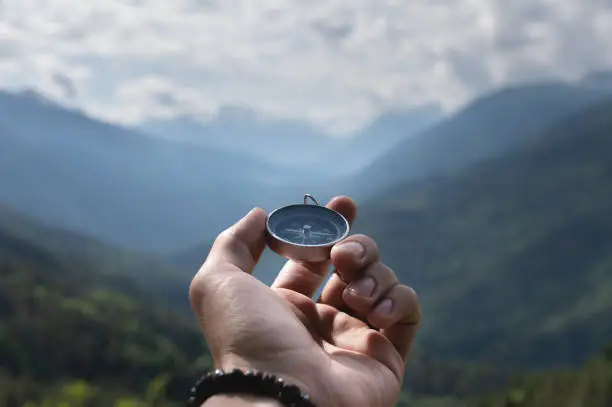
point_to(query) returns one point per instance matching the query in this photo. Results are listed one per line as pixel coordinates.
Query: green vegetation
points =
(590, 386)
(68, 328)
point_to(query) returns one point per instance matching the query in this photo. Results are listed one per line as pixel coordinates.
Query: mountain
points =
(296, 144)
(512, 257)
(290, 143)
(487, 127)
(120, 342)
(370, 143)
(68, 323)
(598, 79)
(150, 193)
(168, 281)
(113, 183)
(491, 126)
(137, 191)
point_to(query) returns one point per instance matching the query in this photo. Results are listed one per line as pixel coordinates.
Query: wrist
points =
(308, 381)
(231, 400)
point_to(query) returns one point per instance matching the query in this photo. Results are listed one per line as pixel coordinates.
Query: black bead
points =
(249, 382)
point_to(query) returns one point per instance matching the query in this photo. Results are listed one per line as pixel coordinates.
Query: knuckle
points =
(199, 286)
(197, 292)
(225, 238)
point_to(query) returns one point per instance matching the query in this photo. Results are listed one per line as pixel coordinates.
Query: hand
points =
(347, 349)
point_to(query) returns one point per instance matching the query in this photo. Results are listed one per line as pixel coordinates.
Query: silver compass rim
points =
(347, 227)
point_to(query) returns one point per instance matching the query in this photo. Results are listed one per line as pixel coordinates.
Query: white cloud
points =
(337, 62)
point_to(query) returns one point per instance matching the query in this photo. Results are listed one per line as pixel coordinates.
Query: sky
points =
(336, 63)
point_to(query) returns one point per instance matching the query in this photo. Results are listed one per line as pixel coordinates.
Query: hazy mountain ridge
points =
(148, 193)
(489, 126)
(142, 192)
(297, 144)
(65, 168)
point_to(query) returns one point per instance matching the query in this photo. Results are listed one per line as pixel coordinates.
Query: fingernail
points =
(246, 216)
(385, 307)
(354, 247)
(363, 288)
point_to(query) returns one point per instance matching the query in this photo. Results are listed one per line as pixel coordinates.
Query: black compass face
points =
(308, 225)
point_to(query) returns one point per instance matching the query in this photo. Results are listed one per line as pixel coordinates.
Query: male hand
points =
(347, 349)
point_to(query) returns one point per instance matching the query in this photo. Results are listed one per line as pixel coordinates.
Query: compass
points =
(305, 232)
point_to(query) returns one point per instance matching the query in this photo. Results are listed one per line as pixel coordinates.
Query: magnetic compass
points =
(305, 232)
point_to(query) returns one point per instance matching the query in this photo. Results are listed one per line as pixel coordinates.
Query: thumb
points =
(213, 292)
(240, 246)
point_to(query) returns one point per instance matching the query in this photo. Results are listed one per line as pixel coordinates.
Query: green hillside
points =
(513, 257)
(67, 325)
(590, 386)
(151, 271)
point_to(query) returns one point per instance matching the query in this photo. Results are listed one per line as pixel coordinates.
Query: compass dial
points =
(307, 225)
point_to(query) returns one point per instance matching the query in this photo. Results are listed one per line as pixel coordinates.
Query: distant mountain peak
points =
(598, 79)
(36, 95)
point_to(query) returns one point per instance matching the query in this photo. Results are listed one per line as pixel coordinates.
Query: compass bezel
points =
(305, 252)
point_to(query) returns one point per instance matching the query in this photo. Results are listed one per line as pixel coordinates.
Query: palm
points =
(329, 348)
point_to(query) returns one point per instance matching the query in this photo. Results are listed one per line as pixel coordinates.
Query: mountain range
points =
(62, 167)
(138, 191)
(500, 216)
(154, 193)
(297, 144)
(489, 126)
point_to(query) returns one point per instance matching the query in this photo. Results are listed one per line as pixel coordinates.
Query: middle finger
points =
(350, 259)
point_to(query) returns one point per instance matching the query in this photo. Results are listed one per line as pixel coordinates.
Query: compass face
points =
(308, 225)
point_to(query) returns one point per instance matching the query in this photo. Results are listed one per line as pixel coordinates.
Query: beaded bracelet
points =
(248, 382)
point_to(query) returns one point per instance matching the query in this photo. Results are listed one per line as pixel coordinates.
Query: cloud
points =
(335, 62)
